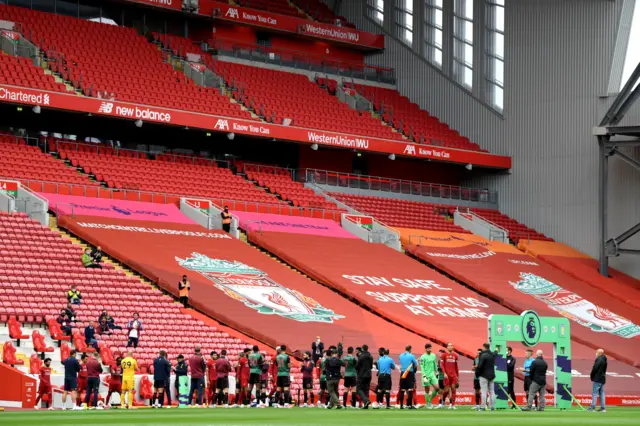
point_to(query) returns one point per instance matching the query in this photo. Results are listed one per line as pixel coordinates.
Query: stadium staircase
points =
(44, 262)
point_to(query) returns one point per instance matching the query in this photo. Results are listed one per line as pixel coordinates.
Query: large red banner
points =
(291, 24)
(392, 284)
(522, 282)
(240, 286)
(28, 96)
(586, 269)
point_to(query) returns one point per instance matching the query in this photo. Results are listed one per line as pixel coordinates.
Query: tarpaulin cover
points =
(65, 205)
(390, 283)
(295, 224)
(239, 285)
(521, 282)
(385, 280)
(584, 268)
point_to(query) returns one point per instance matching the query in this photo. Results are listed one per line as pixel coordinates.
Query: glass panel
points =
(68, 8)
(463, 74)
(43, 5)
(463, 29)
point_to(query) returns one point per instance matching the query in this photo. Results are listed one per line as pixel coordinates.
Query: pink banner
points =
(290, 224)
(64, 205)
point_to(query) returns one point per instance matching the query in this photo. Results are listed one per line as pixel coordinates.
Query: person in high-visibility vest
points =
(226, 219)
(184, 286)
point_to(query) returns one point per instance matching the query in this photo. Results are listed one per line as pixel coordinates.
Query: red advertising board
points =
(364, 221)
(291, 24)
(203, 205)
(154, 114)
(10, 187)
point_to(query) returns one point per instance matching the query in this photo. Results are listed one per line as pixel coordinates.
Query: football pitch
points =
(298, 416)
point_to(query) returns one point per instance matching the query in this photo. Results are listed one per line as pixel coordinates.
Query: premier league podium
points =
(531, 329)
(183, 392)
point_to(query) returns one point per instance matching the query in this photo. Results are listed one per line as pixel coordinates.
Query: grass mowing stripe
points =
(311, 417)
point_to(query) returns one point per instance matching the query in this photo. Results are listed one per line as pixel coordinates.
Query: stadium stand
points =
(133, 170)
(401, 213)
(407, 117)
(584, 268)
(24, 162)
(519, 282)
(278, 95)
(279, 181)
(19, 71)
(517, 231)
(37, 266)
(105, 59)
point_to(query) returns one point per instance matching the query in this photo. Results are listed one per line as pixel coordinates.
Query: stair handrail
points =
(475, 216)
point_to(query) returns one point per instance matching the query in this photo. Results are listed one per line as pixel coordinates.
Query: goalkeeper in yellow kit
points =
(129, 366)
(428, 368)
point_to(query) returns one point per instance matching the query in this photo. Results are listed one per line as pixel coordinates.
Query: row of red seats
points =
(415, 123)
(22, 72)
(281, 95)
(401, 213)
(162, 318)
(116, 60)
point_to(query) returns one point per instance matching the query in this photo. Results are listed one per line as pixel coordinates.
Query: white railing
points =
(398, 186)
(380, 233)
(470, 221)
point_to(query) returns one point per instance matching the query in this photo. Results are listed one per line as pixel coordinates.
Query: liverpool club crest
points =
(257, 290)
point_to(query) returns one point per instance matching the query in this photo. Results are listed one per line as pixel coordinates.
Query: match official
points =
(408, 368)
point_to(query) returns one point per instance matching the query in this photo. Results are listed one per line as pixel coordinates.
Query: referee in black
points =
(511, 365)
(364, 365)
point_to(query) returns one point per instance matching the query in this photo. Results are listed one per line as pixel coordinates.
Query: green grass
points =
(298, 416)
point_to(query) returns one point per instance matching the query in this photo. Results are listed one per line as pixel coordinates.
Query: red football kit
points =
(212, 377)
(45, 386)
(115, 384)
(449, 364)
(242, 372)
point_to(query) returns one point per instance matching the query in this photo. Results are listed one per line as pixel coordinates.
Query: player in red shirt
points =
(82, 380)
(115, 380)
(242, 379)
(45, 385)
(449, 366)
(212, 377)
(273, 371)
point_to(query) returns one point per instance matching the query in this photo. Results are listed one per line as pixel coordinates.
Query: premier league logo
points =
(500, 328)
(531, 329)
(256, 290)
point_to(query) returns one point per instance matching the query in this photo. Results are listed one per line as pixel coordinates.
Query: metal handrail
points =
(399, 186)
(475, 215)
(248, 228)
(138, 152)
(65, 204)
